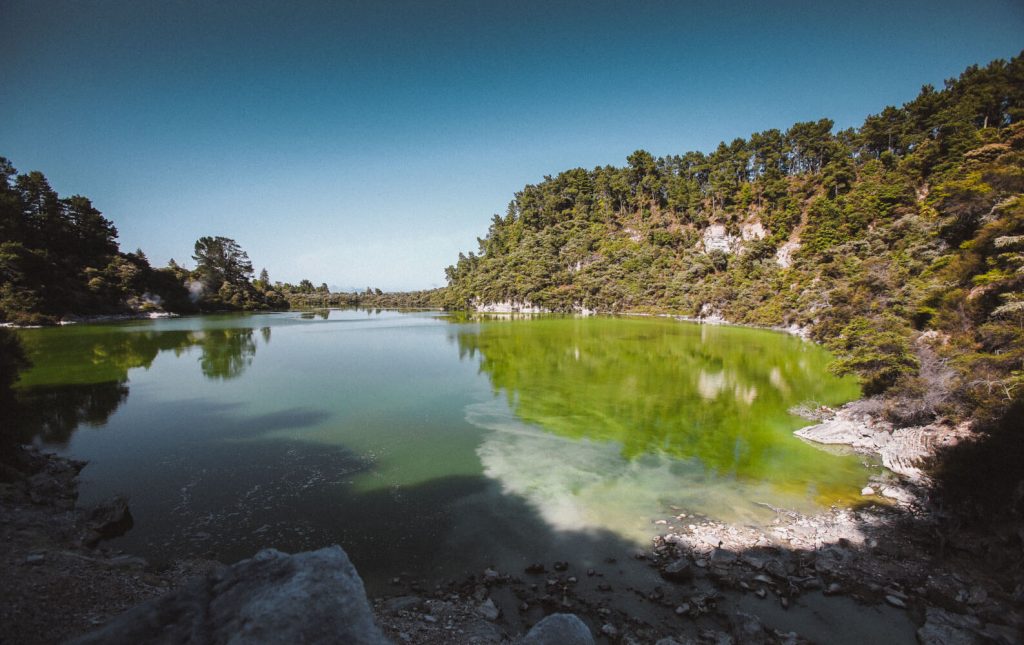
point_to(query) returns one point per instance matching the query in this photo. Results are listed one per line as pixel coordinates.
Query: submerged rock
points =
(313, 597)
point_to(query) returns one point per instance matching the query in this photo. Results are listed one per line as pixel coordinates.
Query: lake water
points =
(427, 444)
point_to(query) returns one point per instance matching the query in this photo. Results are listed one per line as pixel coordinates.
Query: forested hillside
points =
(867, 237)
(60, 257)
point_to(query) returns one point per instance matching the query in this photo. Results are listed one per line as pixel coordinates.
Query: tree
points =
(219, 260)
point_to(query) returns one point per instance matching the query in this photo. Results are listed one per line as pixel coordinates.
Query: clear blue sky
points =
(367, 143)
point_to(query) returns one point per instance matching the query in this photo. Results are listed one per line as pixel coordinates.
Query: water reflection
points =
(53, 413)
(80, 376)
(640, 410)
(227, 352)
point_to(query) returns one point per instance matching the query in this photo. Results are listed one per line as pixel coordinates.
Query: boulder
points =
(678, 571)
(747, 628)
(312, 597)
(946, 628)
(108, 520)
(559, 629)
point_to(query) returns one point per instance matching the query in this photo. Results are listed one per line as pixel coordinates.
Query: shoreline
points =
(894, 551)
(707, 580)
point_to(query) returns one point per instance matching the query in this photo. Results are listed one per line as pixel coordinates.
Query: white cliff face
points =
(753, 230)
(508, 307)
(716, 238)
(784, 256)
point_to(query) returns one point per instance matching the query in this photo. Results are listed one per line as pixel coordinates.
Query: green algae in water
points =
(418, 438)
(670, 414)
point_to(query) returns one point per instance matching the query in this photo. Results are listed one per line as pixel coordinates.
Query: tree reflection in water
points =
(80, 376)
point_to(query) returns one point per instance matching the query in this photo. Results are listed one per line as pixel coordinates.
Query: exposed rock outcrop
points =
(717, 238)
(901, 449)
(508, 307)
(313, 597)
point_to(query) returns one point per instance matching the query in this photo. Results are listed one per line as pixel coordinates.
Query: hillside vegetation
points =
(900, 244)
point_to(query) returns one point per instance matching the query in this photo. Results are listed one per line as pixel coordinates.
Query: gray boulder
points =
(559, 629)
(313, 597)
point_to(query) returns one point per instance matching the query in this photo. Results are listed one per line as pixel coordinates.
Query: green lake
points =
(430, 444)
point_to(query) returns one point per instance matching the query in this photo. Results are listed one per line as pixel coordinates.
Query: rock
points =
(722, 556)
(833, 589)
(897, 494)
(678, 571)
(714, 637)
(946, 628)
(312, 597)
(559, 629)
(895, 601)
(748, 629)
(683, 609)
(488, 610)
(561, 566)
(535, 568)
(609, 630)
(490, 575)
(35, 558)
(108, 520)
(866, 491)
(977, 596)
(400, 603)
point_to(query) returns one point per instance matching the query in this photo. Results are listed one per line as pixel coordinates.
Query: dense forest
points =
(900, 244)
(59, 258)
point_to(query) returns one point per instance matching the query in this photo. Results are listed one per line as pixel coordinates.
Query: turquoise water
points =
(430, 444)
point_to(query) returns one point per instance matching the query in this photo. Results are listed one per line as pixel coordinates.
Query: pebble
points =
(867, 490)
(761, 593)
(35, 558)
(895, 602)
(683, 609)
(609, 630)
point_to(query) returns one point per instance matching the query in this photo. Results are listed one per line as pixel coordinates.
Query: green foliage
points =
(876, 350)
(909, 224)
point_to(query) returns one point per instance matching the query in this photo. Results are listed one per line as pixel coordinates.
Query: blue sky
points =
(367, 143)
